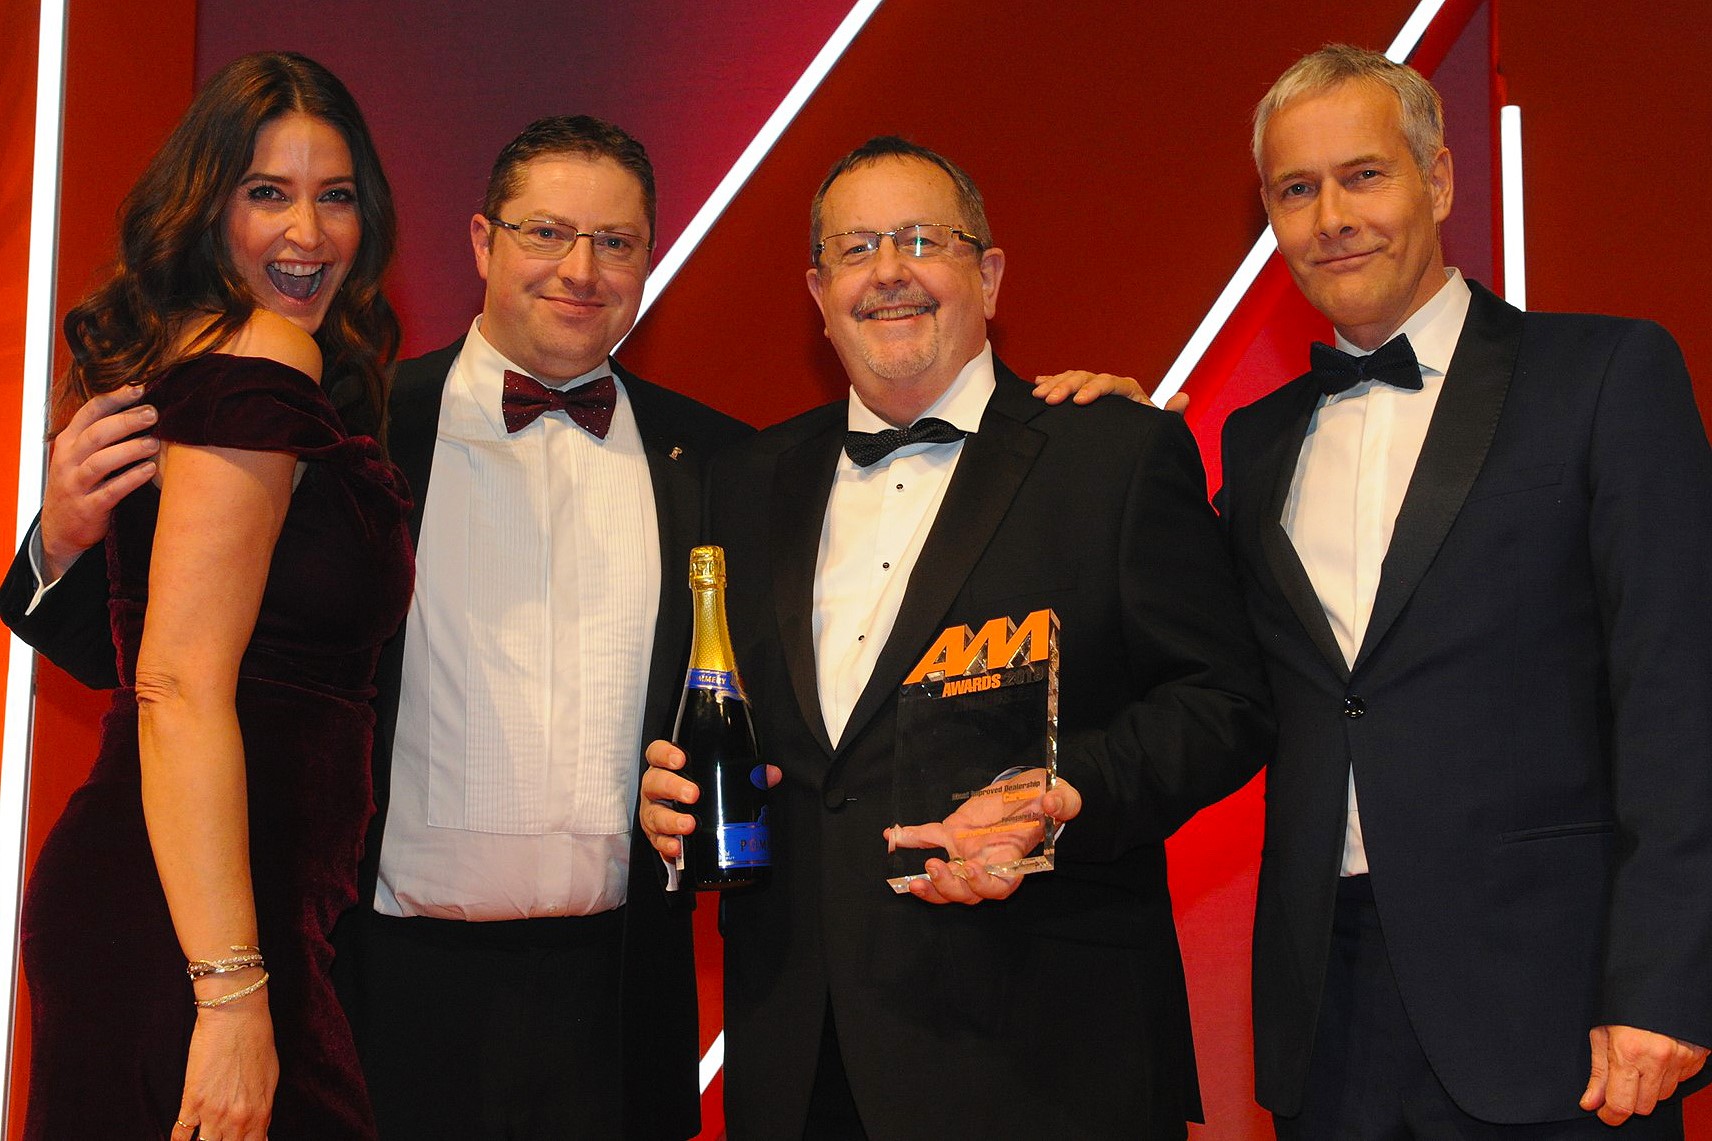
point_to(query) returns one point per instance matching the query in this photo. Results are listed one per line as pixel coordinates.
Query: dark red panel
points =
(1463, 76)
(1615, 112)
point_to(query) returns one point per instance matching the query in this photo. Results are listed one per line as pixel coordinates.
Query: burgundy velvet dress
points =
(111, 1009)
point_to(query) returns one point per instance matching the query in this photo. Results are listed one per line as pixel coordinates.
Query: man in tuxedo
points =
(1475, 545)
(508, 944)
(1051, 1005)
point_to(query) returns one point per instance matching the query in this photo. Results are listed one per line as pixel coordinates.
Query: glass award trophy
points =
(977, 750)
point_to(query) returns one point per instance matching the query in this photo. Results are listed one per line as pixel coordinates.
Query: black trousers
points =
(505, 1031)
(1369, 1080)
(832, 1113)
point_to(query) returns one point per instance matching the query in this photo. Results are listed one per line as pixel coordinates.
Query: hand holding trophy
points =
(992, 840)
(973, 706)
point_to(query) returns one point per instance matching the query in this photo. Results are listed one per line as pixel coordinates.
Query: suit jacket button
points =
(1354, 707)
(833, 798)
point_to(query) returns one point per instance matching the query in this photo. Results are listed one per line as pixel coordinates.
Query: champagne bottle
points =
(729, 847)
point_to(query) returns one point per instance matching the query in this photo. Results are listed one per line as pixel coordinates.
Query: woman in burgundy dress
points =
(176, 925)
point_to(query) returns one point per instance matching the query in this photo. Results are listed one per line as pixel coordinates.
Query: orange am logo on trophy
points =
(1000, 644)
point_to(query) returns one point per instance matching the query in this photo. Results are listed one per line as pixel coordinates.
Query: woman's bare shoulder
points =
(267, 334)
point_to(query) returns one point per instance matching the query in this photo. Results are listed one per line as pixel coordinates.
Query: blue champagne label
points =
(722, 682)
(744, 846)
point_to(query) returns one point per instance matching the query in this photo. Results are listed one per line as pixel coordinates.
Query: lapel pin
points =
(676, 452)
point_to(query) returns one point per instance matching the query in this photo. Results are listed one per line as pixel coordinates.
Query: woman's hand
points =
(231, 1074)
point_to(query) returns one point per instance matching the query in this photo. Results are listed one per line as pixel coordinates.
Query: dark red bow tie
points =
(590, 405)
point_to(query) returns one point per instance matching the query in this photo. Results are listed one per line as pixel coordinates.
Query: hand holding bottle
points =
(663, 790)
(730, 844)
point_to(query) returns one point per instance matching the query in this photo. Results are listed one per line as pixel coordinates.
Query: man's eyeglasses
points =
(926, 240)
(551, 241)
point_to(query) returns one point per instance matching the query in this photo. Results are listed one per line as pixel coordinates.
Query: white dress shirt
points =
(1351, 476)
(877, 519)
(515, 761)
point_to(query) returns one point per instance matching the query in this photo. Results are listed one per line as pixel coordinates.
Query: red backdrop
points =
(1110, 139)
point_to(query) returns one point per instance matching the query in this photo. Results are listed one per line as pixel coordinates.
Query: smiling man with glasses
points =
(489, 975)
(939, 494)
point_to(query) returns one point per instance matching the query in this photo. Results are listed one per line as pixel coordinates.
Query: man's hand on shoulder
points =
(1082, 387)
(98, 459)
(1634, 1069)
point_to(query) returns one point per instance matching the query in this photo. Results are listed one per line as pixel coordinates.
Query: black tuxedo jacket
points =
(1060, 1012)
(659, 1032)
(1529, 716)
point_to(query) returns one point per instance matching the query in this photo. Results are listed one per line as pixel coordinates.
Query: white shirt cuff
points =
(36, 560)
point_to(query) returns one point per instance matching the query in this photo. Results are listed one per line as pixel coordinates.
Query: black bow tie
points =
(1393, 363)
(866, 449)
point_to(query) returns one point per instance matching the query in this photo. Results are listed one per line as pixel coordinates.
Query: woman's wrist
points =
(227, 979)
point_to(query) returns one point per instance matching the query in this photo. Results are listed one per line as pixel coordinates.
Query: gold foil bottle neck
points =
(707, 567)
(710, 644)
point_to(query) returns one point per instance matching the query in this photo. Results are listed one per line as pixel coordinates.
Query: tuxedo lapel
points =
(802, 484)
(413, 422)
(994, 463)
(1452, 454)
(674, 476)
(1275, 471)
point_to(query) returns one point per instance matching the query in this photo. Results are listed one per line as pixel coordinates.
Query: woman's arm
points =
(221, 511)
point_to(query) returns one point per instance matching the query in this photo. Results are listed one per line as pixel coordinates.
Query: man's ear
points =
(814, 286)
(1442, 184)
(992, 273)
(481, 241)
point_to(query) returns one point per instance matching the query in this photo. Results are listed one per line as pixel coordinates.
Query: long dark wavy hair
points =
(173, 271)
